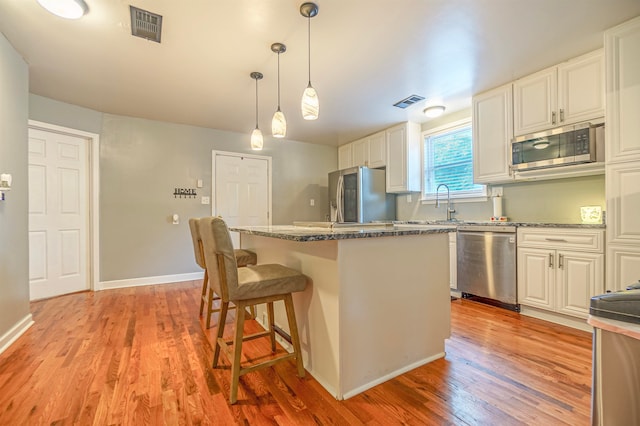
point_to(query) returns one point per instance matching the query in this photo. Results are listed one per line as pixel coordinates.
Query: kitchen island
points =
(378, 303)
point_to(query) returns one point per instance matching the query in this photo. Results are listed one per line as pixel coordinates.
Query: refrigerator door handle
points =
(340, 199)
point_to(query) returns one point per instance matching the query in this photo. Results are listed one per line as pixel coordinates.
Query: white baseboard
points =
(390, 376)
(568, 321)
(163, 279)
(15, 332)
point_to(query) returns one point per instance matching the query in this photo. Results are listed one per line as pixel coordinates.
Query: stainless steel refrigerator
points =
(358, 194)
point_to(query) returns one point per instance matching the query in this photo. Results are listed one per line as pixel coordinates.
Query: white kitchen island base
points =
(375, 308)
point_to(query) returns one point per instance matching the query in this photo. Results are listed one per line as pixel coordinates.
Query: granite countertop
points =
(521, 224)
(309, 233)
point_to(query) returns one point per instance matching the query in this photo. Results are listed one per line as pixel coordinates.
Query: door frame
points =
(215, 153)
(93, 165)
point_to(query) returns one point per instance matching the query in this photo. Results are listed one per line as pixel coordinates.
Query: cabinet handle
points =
(561, 115)
(560, 240)
(550, 260)
(560, 260)
(553, 117)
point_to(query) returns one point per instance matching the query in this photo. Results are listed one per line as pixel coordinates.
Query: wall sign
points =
(184, 193)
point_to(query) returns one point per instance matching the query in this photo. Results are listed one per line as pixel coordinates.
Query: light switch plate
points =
(199, 183)
(205, 200)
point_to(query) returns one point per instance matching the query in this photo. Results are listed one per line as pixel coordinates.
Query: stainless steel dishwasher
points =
(487, 264)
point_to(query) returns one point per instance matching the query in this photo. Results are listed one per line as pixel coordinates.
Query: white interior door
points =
(58, 214)
(241, 190)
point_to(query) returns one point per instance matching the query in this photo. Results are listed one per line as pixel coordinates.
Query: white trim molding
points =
(162, 279)
(16, 331)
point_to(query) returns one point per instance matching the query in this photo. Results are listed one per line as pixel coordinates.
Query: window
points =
(448, 159)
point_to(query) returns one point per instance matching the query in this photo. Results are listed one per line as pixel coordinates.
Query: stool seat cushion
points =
(245, 257)
(267, 280)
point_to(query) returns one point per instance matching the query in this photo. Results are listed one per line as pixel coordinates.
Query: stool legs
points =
(272, 332)
(237, 352)
(205, 285)
(224, 307)
(293, 329)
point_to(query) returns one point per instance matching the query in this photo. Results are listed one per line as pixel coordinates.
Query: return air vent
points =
(408, 101)
(145, 24)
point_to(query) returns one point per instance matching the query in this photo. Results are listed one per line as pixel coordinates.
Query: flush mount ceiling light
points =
(434, 111)
(256, 135)
(279, 122)
(69, 9)
(310, 104)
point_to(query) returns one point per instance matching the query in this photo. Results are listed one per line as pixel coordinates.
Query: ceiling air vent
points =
(408, 101)
(145, 24)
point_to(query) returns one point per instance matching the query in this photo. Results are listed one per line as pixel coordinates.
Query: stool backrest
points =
(219, 256)
(197, 242)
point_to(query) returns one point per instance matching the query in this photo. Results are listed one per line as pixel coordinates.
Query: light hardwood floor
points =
(141, 356)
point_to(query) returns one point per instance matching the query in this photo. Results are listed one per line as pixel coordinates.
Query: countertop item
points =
(342, 232)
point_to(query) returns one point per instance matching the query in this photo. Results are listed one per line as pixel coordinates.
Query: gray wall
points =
(555, 201)
(142, 161)
(14, 251)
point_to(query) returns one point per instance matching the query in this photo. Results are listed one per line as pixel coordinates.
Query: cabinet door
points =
(453, 261)
(536, 277)
(535, 102)
(344, 157)
(377, 150)
(403, 158)
(581, 89)
(579, 277)
(360, 152)
(623, 266)
(492, 134)
(622, 56)
(623, 203)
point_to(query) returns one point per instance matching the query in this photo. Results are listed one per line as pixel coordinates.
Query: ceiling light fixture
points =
(279, 122)
(434, 111)
(69, 9)
(256, 136)
(310, 104)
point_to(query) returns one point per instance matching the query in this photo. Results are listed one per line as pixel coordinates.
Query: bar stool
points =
(243, 258)
(247, 286)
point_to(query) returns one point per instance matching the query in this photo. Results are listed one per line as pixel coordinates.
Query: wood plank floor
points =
(140, 356)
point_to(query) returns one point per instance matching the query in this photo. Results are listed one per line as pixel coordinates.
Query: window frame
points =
(460, 196)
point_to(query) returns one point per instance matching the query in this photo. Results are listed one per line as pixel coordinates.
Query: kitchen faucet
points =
(449, 209)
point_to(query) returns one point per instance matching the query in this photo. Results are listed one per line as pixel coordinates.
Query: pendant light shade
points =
(69, 9)
(310, 104)
(256, 136)
(279, 122)
(256, 139)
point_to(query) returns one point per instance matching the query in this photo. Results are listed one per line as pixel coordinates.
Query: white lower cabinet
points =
(453, 261)
(560, 269)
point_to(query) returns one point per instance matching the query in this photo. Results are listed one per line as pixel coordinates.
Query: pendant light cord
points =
(278, 81)
(309, 45)
(256, 103)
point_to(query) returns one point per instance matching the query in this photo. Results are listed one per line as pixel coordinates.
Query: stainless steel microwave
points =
(580, 143)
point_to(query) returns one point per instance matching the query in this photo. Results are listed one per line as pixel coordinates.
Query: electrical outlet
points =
(496, 191)
(408, 198)
(205, 200)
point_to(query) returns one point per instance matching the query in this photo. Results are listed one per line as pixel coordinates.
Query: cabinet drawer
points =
(562, 238)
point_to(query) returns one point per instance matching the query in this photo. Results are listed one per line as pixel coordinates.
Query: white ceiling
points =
(365, 56)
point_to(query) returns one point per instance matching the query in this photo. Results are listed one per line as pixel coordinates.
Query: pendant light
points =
(256, 135)
(310, 104)
(69, 9)
(279, 122)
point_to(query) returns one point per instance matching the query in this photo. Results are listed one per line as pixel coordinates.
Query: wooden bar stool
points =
(247, 286)
(243, 258)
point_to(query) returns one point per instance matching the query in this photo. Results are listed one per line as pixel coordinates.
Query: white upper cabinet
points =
(360, 152)
(492, 134)
(622, 46)
(377, 150)
(345, 156)
(565, 94)
(581, 88)
(403, 158)
(369, 152)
